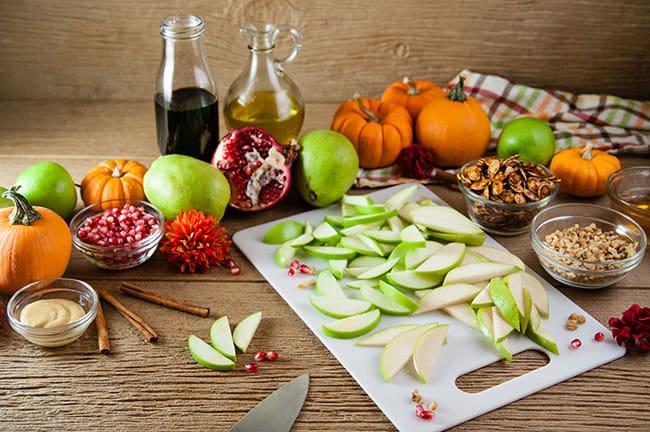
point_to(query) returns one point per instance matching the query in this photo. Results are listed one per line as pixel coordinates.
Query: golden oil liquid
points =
(640, 203)
(277, 113)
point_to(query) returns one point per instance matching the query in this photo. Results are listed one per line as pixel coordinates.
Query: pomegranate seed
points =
(230, 263)
(295, 264)
(426, 415)
(291, 271)
(271, 356)
(261, 355)
(251, 367)
(419, 408)
(305, 269)
(575, 344)
(235, 270)
(599, 337)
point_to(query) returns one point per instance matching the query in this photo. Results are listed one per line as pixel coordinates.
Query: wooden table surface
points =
(159, 387)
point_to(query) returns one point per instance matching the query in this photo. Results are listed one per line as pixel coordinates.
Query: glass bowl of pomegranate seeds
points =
(117, 236)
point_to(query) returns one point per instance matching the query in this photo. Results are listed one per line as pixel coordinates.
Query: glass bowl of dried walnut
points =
(587, 245)
(504, 195)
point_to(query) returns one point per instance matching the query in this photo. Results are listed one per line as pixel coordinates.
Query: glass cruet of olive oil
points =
(263, 95)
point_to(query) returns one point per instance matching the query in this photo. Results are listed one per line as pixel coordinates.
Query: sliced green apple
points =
(337, 267)
(384, 236)
(468, 239)
(415, 257)
(445, 296)
(395, 224)
(463, 313)
(426, 351)
(285, 254)
(539, 334)
(409, 279)
(471, 258)
(356, 271)
(477, 272)
(521, 296)
(361, 228)
(282, 232)
(504, 302)
(335, 220)
(401, 197)
(380, 270)
(498, 255)
(338, 307)
(207, 356)
(357, 284)
(382, 337)
(375, 217)
(330, 252)
(382, 302)
(325, 233)
(500, 327)
(537, 292)
(483, 298)
(399, 351)
(243, 333)
(358, 200)
(221, 338)
(354, 326)
(486, 326)
(358, 245)
(412, 236)
(328, 286)
(446, 258)
(400, 251)
(366, 261)
(302, 240)
(444, 219)
(422, 292)
(397, 296)
(369, 209)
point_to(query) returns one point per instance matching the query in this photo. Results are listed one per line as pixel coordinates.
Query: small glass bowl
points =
(507, 219)
(54, 288)
(117, 257)
(581, 273)
(629, 193)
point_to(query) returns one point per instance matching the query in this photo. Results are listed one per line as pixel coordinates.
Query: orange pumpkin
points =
(378, 131)
(455, 129)
(36, 243)
(583, 170)
(412, 94)
(113, 180)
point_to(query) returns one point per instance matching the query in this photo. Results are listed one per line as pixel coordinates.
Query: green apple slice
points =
(366, 261)
(463, 313)
(445, 296)
(426, 351)
(422, 292)
(369, 209)
(401, 197)
(338, 307)
(498, 255)
(537, 292)
(337, 267)
(382, 302)
(358, 245)
(328, 286)
(245, 330)
(355, 230)
(468, 239)
(483, 298)
(471, 258)
(358, 200)
(395, 224)
(500, 327)
(444, 219)
(330, 252)
(539, 334)
(382, 337)
(397, 296)
(284, 254)
(379, 270)
(207, 356)
(477, 272)
(357, 284)
(521, 296)
(302, 240)
(409, 279)
(335, 220)
(399, 350)
(282, 232)
(384, 236)
(446, 258)
(412, 236)
(486, 326)
(405, 211)
(309, 228)
(375, 217)
(325, 233)
(356, 271)
(415, 257)
(400, 251)
(221, 338)
(504, 302)
(354, 326)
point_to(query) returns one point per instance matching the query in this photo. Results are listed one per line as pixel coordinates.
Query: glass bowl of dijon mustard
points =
(53, 312)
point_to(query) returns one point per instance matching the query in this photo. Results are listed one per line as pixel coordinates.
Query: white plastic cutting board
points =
(467, 349)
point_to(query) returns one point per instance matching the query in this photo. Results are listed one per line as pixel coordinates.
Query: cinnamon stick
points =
(172, 303)
(137, 322)
(102, 330)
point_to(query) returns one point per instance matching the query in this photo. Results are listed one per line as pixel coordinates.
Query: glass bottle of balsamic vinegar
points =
(186, 103)
(263, 95)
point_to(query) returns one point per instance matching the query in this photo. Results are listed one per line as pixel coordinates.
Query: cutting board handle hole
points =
(501, 371)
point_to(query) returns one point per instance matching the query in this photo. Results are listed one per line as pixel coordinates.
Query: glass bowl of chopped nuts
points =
(504, 195)
(587, 245)
(116, 235)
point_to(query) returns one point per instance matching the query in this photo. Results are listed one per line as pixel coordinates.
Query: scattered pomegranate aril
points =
(291, 271)
(261, 355)
(423, 413)
(599, 337)
(235, 270)
(230, 263)
(418, 409)
(251, 367)
(575, 344)
(307, 269)
(295, 264)
(271, 356)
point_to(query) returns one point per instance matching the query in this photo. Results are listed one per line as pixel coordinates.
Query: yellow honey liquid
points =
(277, 113)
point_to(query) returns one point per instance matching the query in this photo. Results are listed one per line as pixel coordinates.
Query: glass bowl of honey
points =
(629, 192)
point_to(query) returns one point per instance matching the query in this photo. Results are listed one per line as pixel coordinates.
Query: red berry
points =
(599, 337)
(251, 367)
(261, 355)
(575, 344)
(271, 356)
(291, 271)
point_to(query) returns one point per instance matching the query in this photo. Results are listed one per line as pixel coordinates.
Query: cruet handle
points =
(297, 44)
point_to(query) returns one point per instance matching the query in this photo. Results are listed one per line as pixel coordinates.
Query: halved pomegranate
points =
(257, 167)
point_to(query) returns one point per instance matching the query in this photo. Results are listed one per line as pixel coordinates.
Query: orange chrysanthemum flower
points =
(195, 241)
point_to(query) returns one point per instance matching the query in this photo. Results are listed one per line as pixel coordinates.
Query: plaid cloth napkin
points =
(611, 123)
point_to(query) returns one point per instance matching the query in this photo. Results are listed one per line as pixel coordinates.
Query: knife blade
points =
(278, 411)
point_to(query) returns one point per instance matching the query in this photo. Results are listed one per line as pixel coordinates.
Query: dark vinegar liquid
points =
(189, 123)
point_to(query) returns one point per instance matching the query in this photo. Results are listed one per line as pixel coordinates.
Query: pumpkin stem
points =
(370, 116)
(117, 172)
(413, 89)
(23, 213)
(457, 94)
(586, 153)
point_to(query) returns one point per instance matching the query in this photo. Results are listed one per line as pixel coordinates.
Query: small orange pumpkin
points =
(412, 94)
(455, 129)
(36, 243)
(113, 180)
(378, 131)
(583, 170)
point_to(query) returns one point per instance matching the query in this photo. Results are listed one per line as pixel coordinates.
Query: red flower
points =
(632, 330)
(415, 162)
(195, 241)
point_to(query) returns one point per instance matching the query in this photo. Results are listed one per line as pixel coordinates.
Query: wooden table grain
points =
(158, 386)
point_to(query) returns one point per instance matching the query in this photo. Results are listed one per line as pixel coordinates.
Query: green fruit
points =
(4, 202)
(326, 167)
(532, 138)
(283, 231)
(177, 182)
(48, 184)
